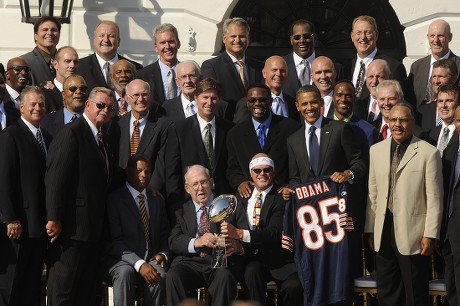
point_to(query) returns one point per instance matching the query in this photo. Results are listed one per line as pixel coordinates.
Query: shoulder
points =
(225, 124)
(420, 62)
(216, 59)
(136, 64)
(148, 69)
(86, 60)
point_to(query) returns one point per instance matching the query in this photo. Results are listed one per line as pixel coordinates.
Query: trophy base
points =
(219, 259)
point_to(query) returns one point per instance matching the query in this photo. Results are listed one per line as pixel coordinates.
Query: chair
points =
(437, 286)
(139, 294)
(367, 284)
(271, 287)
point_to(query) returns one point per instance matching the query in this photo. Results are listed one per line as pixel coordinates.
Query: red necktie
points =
(383, 132)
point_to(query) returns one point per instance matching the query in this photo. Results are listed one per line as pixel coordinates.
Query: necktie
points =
(261, 135)
(360, 79)
(144, 217)
(278, 107)
(371, 116)
(242, 74)
(203, 228)
(135, 138)
(383, 132)
(172, 89)
(314, 150)
(393, 169)
(444, 140)
(305, 73)
(438, 120)
(121, 107)
(190, 110)
(208, 146)
(101, 145)
(256, 212)
(107, 73)
(73, 117)
(41, 142)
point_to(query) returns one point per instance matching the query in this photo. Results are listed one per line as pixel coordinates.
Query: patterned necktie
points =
(242, 74)
(261, 135)
(172, 87)
(314, 150)
(305, 73)
(41, 142)
(360, 80)
(135, 138)
(203, 228)
(208, 146)
(190, 110)
(121, 107)
(373, 111)
(393, 169)
(444, 140)
(107, 73)
(383, 132)
(144, 217)
(101, 145)
(256, 212)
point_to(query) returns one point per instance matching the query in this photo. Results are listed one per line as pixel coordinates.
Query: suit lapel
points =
(124, 139)
(147, 134)
(219, 143)
(97, 70)
(301, 146)
(273, 133)
(190, 218)
(196, 134)
(411, 151)
(31, 138)
(230, 66)
(266, 207)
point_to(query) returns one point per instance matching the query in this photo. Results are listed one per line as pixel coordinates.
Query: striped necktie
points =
(144, 217)
(256, 212)
(135, 138)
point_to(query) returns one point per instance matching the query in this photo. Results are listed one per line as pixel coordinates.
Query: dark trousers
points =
(21, 266)
(73, 273)
(401, 279)
(451, 252)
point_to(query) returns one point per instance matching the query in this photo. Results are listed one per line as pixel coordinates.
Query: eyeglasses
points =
(20, 68)
(203, 183)
(368, 34)
(264, 170)
(102, 105)
(188, 76)
(74, 88)
(261, 99)
(136, 96)
(304, 36)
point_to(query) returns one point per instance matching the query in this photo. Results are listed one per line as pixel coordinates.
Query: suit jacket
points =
(192, 151)
(398, 73)
(41, 72)
(152, 75)
(419, 72)
(417, 207)
(426, 116)
(223, 69)
(293, 83)
(242, 112)
(173, 110)
(77, 183)
(242, 144)
(53, 122)
(436, 132)
(361, 107)
(53, 99)
(338, 152)
(22, 170)
(89, 68)
(12, 113)
(127, 243)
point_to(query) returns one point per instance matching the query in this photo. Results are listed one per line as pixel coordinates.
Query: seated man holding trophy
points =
(198, 249)
(261, 237)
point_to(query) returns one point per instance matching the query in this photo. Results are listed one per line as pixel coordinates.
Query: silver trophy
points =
(220, 210)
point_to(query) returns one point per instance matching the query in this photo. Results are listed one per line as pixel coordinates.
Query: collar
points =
(166, 68)
(13, 93)
(432, 59)
(58, 85)
(134, 192)
(317, 124)
(347, 119)
(68, 115)
(234, 59)
(263, 192)
(267, 122)
(93, 128)
(298, 60)
(198, 207)
(368, 59)
(102, 61)
(279, 96)
(186, 102)
(203, 122)
(31, 127)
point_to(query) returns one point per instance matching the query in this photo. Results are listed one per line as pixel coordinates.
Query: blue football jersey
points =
(315, 226)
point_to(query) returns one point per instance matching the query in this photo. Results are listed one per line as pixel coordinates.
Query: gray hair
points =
(165, 27)
(237, 21)
(31, 89)
(395, 84)
(195, 64)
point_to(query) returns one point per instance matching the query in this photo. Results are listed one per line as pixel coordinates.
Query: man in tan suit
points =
(404, 211)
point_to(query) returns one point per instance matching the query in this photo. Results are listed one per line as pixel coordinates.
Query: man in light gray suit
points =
(138, 246)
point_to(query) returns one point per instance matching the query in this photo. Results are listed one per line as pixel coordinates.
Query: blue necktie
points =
(314, 150)
(278, 104)
(261, 135)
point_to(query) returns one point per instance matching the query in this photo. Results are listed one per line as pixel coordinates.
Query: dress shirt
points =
(198, 212)
(237, 67)
(283, 104)
(58, 85)
(367, 60)
(250, 210)
(327, 103)
(344, 119)
(68, 115)
(165, 70)
(94, 129)
(369, 109)
(203, 123)
(14, 95)
(317, 124)
(432, 60)
(299, 65)
(2, 116)
(102, 62)
(266, 123)
(142, 123)
(34, 130)
(451, 128)
(185, 103)
(388, 128)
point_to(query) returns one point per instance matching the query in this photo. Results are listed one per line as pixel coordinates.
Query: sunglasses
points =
(264, 170)
(304, 36)
(74, 88)
(261, 99)
(102, 105)
(20, 68)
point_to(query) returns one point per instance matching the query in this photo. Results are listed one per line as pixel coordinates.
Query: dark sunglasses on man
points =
(102, 105)
(304, 36)
(20, 68)
(264, 170)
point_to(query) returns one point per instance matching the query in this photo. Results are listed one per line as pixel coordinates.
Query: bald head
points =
(323, 74)
(377, 72)
(439, 37)
(275, 73)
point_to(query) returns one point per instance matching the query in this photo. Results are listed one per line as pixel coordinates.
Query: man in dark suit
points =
(439, 36)
(22, 202)
(265, 259)
(65, 64)
(303, 41)
(275, 76)
(47, 31)
(95, 68)
(232, 68)
(138, 246)
(77, 179)
(17, 75)
(364, 35)
(121, 74)
(160, 75)
(191, 241)
(265, 132)
(74, 96)
(449, 232)
(444, 72)
(367, 108)
(8, 113)
(447, 101)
